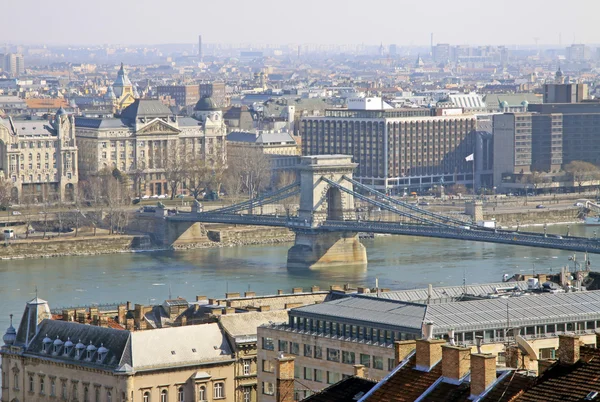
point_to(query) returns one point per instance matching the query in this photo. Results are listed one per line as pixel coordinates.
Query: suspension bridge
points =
(327, 223)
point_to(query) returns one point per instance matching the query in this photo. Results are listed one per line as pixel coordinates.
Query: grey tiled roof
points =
(242, 326)
(446, 293)
(99, 123)
(146, 108)
(113, 339)
(366, 310)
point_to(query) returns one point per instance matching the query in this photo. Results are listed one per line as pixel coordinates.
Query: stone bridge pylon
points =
(319, 201)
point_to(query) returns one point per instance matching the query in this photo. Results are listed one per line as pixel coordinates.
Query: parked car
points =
(135, 201)
(424, 203)
(145, 197)
(16, 212)
(578, 204)
(155, 196)
(540, 206)
(162, 196)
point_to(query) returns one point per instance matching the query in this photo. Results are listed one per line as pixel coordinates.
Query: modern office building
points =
(40, 158)
(441, 53)
(545, 139)
(395, 148)
(13, 64)
(183, 95)
(578, 52)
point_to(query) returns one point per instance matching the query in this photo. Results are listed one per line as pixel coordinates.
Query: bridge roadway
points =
(472, 233)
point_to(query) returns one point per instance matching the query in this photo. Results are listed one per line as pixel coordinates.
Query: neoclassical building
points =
(40, 158)
(50, 360)
(138, 141)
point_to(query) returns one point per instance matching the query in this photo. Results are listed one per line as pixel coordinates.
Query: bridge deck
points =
(471, 233)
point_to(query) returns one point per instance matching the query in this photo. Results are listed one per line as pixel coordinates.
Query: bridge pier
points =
(324, 250)
(319, 202)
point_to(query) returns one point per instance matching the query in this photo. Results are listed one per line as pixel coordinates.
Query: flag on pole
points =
(470, 158)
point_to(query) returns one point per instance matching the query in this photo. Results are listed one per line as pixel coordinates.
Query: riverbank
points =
(116, 244)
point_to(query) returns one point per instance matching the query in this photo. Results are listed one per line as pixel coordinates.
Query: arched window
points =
(180, 395)
(219, 390)
(146, 396)
(164, 396)
(16, 380)
(202, 393)
(108, 396)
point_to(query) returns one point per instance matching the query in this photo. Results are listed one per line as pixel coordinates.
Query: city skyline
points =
(468, 22)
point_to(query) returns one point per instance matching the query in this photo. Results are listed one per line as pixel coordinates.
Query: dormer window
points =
(57, 345)
(102, 352)
(46, 344)
(90, 351)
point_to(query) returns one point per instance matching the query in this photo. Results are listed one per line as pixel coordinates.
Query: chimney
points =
(543, 365)
(249, 294)
(200, 298)
(284, 369)
(296, 290)
(232, 295)
(429, 353)
(360, 371)
(597, 339)
(264, 308)
(213, 301)
(568, 348)
(279, 292)
(314, 289)
(229, 310)
(483, 373)
(514, 357)
(129, 306)
(455, 362)
(402, 349)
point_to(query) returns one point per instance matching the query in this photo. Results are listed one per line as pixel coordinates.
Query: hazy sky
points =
(306, 21)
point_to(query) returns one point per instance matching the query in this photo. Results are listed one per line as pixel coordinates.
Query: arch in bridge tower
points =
(335, 210)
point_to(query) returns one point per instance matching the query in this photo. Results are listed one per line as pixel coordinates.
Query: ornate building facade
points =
(49, 360)
(139, 141)
(40, 158)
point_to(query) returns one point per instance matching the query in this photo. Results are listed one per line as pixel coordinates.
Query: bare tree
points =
(254, 168)
(581, 172)
(174, 167)
(6, 187)
(196, 175)
(232, 182)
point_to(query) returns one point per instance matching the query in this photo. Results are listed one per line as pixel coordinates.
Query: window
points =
(109, 396)
(295, 348)
(547, 353)
(332, 377)
(164, 396)
(391, 364)
(42, 391)
(86, 394)
(268, 388)
(16, 381)
(202, 393)
(219, 390)
(348, 357)
(297, 371)
(246, 394)
(318, 375)
(365, 360)
(64, 390)
(246, 367)
(308, 373)
(283, 346)
(308, 352)
(31, 384)
(97, 394)
(318, 352)
(268, 343)
(180, 395)
(147, 397)
(267, 366)
(53, 387)
(333, 355)
(378, 362)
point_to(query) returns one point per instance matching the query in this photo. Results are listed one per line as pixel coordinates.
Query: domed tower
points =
(122, 86)
(206, 108)
(559, 78)
(504, 106)
(10, 337)
(525, 105)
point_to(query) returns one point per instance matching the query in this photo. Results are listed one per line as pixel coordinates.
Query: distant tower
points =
(431, 43)
(200, 48)
(559, 78)
(381, 49)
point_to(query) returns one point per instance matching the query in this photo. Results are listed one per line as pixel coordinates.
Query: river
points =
(398, 262)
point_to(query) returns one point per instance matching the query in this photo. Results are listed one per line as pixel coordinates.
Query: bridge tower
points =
(319, 201)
